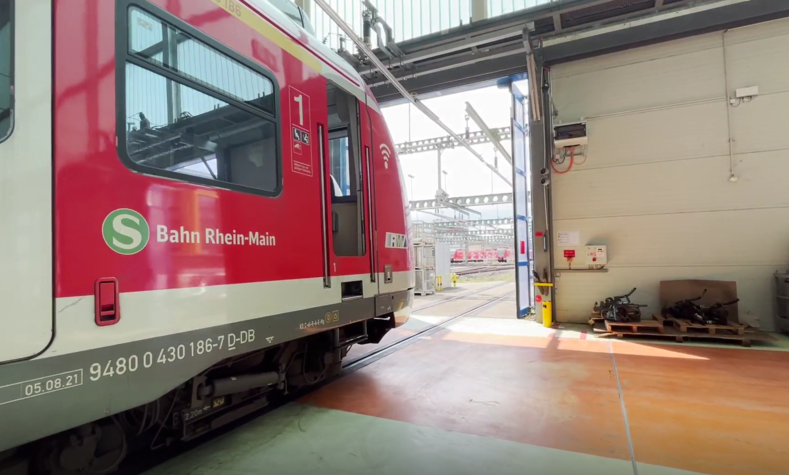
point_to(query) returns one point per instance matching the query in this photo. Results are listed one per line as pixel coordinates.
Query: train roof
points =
(302, 43)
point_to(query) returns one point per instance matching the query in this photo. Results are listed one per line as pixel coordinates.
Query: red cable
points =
(581, 163)
(572, 159)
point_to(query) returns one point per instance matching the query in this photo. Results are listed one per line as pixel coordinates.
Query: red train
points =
(162, 163)
(498, 255)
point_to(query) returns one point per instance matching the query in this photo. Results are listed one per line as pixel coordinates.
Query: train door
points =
(521, 189)
(25, 178)
(368, 148)
(347, 161)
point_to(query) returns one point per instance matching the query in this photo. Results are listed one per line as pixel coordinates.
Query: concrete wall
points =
(655, 187)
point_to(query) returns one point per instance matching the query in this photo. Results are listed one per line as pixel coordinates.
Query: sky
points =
(466, 175)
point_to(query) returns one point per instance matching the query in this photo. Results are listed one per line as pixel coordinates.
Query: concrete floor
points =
(495, 395)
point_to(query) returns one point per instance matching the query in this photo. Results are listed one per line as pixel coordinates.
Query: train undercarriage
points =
(222, 394)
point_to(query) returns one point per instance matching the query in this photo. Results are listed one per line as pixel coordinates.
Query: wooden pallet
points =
(635, 327)
(685, 326)
(595, 318)
(671, 333)
(600, 324)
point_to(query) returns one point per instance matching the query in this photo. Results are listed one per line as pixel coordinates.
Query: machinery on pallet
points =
(691, 310)
(619, 308)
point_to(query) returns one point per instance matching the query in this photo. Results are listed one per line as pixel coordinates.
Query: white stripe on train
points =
(152, 314)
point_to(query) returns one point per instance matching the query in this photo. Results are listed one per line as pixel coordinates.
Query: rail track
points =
(440, 301)
(379, 353)
(480, 270)
(140, 465)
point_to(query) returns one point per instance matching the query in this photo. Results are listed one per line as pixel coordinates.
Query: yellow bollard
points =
(547, 306)
(454, 280)
(439, 283)
(547, 316)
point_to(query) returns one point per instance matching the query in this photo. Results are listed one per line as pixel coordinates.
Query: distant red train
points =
(498, 255)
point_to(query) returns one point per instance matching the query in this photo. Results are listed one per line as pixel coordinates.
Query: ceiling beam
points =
(461, 76)
(443, 50)
(665, 25)
(452, 63)
(567, 29)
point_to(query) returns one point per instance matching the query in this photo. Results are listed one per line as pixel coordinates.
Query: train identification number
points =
(314, 323)
(40, 386)
(230, 6)
(329, 318)
(167, 355)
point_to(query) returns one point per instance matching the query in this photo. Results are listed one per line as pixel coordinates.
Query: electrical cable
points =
(142, 422)
(560, 172)
(585, 157)
(121, 456)
(304, 368)
(164, 421)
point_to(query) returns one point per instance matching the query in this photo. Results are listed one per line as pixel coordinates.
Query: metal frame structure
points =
(460, 231)
(560, 31)
(475, 200)
(428, 145)
(477, 222)
(433, 233)
(490, 232)
(489, 133)
(409, 96)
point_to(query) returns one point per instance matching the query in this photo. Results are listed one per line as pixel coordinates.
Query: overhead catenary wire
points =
(402, 90)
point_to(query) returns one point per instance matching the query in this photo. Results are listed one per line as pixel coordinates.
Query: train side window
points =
(6, 67)
(194, 113)
(161, 44)
(339, 159)
(346, 172)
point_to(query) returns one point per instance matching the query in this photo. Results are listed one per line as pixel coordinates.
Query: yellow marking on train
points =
(254, 21)
(332, 317)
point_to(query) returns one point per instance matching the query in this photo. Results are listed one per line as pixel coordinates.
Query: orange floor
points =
(710, 410)
(491, 394)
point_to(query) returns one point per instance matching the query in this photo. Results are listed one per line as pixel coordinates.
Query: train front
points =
(409, 276)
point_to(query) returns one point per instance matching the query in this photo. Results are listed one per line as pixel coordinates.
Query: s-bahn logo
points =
(126, 231)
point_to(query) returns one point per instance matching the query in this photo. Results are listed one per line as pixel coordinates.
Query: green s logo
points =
(126, 231)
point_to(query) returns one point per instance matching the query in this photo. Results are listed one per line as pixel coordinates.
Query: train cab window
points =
(197, 114)
(346, 173)
(6, 67)
(294, 12)
(307, 23)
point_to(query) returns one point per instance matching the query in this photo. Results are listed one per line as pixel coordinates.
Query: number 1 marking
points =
(300, 100)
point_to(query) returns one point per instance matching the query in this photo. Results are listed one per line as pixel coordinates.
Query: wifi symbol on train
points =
(387, 153)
